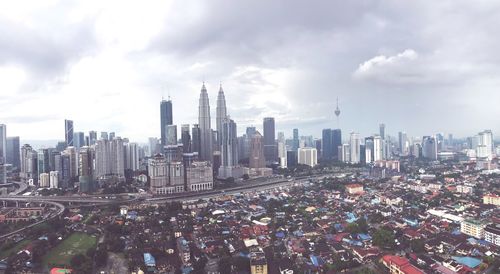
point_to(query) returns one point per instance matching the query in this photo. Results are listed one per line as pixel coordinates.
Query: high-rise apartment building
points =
(354, 146)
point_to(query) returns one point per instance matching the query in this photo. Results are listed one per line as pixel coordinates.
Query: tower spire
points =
(337, 112)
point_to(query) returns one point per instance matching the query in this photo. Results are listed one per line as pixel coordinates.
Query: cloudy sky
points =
(418, 66)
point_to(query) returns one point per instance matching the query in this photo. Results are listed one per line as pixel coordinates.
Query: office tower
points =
(317, 143)
(363, 154)
(308, 156)
(171, 131)
(229, 145)
(369, 150)
(257, 159)
(132, 156)
(65, 170)
(153, 146)
(54, 179)
(450, 139)
(382, 131)
(196, 138)
(71, 153)
(291, 158)
(102, 162)
(186, 138)
(378, 153)
(282, 150)
(354, 146)
(3, 143)
(104, 135)
(204, 125)
(116, 157)
(269, 139)
(28, 163)
(336, 143)
(68, 129)
(250, 131)
(440, 141)
(166, 119)
(92, 137)
(112, 135)
(3, 175)
(403, 144)
(221, 114)
(43, 161)
(13, 152)
(327, 144)
(78, 140)
(295, 143)
(429, 147)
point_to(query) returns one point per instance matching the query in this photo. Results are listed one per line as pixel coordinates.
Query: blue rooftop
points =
(468, 261)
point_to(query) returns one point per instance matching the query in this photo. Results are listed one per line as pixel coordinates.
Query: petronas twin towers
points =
(226, 137)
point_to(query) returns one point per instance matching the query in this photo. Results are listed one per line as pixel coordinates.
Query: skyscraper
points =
(336, 143)
(196, 139)
(327, 144)
(186, 138)
(78, 140)
(369, 149)
(28, 163)
(204, 124)
(3, 143)
(354, 146)
(229, 146)
(296, 141)
(270, 149)
(171, 135)
(282, 150)
(43, 161)
(68, 136)
(403, 143)
(429, 147)
(485, 148)
(166, 119)
(257, 159)
(13, 152)
(92, 137)
(220, 116)
(378, 145)
(382, 131)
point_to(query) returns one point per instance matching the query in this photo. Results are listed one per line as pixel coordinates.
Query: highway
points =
(60, 211)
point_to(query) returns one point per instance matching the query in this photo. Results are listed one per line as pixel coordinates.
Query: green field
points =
(75, 244)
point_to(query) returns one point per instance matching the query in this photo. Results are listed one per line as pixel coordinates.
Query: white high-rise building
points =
(345, 153)
(204, 125)
(282, 149)
(54, 179)
(229, 150)
(485, 147)
(378, 148)
(132, 156)
(117, 157)
(102, 164)
(44, 180)
(354, 145)
(308, 156)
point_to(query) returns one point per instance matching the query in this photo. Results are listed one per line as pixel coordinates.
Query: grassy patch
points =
(14, 249)
(75, 244)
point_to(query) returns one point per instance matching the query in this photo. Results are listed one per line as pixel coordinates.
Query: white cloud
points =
(399, 68)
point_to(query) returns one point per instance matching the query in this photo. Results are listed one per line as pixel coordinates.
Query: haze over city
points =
(419, 67)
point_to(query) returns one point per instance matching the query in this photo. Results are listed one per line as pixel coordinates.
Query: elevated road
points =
(60, 210)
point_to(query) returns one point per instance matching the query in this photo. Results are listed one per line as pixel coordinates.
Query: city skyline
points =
(107, 69)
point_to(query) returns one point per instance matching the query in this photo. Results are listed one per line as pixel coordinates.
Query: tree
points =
(77, 260)
(383, 238)
(353, 228)
(362, 225)
(225, 265)
(417, 245)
